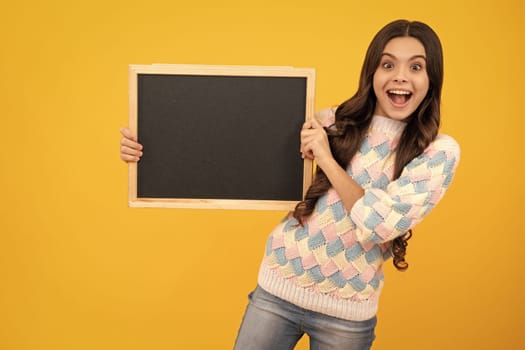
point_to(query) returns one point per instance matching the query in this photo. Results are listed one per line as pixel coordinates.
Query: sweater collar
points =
(387, 125)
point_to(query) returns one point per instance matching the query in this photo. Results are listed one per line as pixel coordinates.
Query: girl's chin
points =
(396, 115)
(399, 112)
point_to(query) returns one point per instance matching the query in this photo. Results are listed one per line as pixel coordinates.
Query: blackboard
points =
(219, 136)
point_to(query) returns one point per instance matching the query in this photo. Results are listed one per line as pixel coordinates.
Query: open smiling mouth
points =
(399, 97)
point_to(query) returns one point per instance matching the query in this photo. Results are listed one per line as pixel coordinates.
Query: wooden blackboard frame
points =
(216, 71)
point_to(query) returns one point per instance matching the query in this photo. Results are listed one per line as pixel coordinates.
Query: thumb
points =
(315, 124)
(128, 134)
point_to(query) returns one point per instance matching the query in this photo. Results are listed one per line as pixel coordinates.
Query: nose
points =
(400, 76)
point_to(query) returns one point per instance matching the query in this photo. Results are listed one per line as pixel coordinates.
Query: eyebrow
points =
(410, 59)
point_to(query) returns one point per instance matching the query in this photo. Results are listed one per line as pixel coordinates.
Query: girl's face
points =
(401, 80)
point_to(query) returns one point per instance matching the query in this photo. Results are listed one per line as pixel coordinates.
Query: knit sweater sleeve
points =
(326, 116)
(382, 215)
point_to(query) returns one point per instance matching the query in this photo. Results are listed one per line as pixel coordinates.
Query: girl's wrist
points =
(327, 164)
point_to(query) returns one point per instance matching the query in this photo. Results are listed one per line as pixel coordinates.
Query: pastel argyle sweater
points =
(333, 264)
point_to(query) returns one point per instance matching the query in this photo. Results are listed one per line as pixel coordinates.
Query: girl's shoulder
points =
(326, 116)
(445, 143)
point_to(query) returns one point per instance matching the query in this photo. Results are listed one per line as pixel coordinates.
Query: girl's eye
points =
(416, 67)
(387, 65)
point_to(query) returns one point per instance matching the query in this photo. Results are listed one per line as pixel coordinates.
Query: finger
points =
(309, 132)
(311, 136)
(312, 124)
(130, 143)
(307, 148)
(125, 150)
(129, 158)
(126, 132)
(308, 124)
(307, 144)
(308, 155)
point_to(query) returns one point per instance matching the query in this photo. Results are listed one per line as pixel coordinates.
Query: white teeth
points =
(399, 92)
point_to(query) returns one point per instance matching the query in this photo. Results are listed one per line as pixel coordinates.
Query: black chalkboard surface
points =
(219, 136)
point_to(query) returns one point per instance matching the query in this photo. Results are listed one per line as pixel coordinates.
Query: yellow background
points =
(81, 270)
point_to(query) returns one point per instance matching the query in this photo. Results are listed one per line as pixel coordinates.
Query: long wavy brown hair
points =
(353, 118)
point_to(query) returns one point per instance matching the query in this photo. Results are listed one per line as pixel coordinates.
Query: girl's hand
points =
(130, 149)
(314, 143)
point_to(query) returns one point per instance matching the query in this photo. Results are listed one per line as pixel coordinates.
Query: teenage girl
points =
(381, 167)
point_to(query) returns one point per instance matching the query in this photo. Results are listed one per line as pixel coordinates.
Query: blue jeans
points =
(271, 323)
